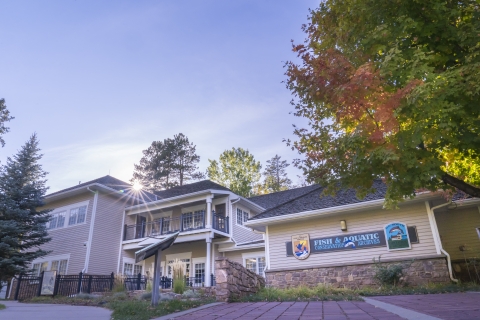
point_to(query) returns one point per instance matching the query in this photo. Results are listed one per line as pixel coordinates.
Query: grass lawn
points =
(328, 293)
(127, 308)
(2, 306)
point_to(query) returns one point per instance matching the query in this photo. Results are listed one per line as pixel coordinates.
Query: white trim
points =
(183, 255)
(67, 209)
(246, 247)
(267, 248)
(433, 227)
(121, 241)
(90, 232)
(256, 254)
(96, 184)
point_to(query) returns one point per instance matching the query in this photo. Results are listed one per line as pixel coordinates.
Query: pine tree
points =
(22, 224)
(236, 170)
(276, 178)
(4, 117)
(168, 163)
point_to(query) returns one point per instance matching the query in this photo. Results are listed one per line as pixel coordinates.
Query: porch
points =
(166, 225)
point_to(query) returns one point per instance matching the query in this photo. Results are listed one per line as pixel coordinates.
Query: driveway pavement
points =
(33, 311)
(461, 306)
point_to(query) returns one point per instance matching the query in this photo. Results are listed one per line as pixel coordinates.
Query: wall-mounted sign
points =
(48, 282)
(301, 246)
(396, 234)
(349, 242)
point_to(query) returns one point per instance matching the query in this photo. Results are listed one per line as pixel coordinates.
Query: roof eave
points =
(60, 195)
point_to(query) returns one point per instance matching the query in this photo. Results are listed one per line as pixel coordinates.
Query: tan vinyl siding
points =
(106, 235)
(236, 256)
(457, 228)
(70, 240)
(242, 234)
(412, 215)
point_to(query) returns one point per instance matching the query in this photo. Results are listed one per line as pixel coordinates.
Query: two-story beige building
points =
(292, 237)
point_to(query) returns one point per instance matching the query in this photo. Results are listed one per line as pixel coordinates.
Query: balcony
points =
(164, 226)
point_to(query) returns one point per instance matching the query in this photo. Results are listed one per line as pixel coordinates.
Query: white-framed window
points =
(54, 263)
(67, 216)
(131, 269)
(242, 216)
(255, 262)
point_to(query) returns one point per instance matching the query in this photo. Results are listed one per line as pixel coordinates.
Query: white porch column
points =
(208, 262)
(208, 222)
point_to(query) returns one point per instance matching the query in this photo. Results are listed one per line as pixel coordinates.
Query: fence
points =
(29, 286)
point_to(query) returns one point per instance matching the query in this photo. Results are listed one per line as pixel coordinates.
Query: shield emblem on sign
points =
(301, 246)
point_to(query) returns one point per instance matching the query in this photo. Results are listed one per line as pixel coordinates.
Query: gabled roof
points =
(271, 200)
(110, 182)
(313, 200)
(189, 188)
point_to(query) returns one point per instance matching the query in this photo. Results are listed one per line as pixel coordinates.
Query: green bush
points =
(118, 285)
(178, 279)
(149, 286)
(120, 296)
(2, 306)
(86, 296)
(387, 274)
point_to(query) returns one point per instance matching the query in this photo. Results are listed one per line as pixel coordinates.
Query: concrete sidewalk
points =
(33, 311)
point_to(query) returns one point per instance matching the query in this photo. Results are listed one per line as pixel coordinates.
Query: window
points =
(60, 266)
(199, 272)
(132, 269)
(242, 217)
(57, 220)
(55, 265)
(77, 215)
(256, 264)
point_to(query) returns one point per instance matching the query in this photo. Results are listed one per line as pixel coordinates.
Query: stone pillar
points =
(208, 262)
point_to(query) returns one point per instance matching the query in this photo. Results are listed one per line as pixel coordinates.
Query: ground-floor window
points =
(199, 272)
(59, 265)
(256, 264)
(131, 269)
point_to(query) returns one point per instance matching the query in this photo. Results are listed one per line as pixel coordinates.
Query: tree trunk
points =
(461, 185)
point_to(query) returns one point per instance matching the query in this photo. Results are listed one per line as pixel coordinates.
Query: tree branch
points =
(461, 185)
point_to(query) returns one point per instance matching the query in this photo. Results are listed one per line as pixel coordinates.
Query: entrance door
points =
(198, 272)
(141, 225)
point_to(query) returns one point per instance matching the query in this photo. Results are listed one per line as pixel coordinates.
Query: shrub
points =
(387, 274)
(86, 296)
(118, 285)
(120, 295)
(178, 279)
(145, 296)
(2, 306)
(190, 294)
(149, 286)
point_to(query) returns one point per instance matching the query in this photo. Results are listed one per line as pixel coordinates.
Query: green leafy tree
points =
(276, 178)
(22, 223)
(4, 117)
(391, 90)
(237, 170)
(168, 163)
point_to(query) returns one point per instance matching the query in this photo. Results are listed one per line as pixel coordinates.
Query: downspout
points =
(121, 242)
(436, 236)
(90, 233)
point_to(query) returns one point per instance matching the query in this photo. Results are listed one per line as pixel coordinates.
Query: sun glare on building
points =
(137, 186)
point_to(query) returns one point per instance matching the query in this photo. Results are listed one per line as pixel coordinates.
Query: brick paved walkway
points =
(291, 310)
(444, 306)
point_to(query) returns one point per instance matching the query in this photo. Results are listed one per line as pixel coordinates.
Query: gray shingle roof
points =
(189, 188)
(112, 183)
(313, 201)
(271, 200)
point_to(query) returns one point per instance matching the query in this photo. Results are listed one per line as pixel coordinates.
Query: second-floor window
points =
(242, 217)
(68, 217)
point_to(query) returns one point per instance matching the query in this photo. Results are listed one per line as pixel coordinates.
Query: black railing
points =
(185, 222)
(220, 222)
(137, 282)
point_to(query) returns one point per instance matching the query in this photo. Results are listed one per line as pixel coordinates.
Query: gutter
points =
(90, 232)
(436, 236)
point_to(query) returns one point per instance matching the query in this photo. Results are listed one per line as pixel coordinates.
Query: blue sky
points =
(98, 81)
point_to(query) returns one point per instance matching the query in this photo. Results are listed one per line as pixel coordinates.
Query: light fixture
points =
(343, 225)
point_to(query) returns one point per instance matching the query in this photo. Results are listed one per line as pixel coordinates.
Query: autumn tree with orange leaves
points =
(391, 91)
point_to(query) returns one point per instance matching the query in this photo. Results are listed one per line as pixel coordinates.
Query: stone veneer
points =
(360, 275)
(234, 281)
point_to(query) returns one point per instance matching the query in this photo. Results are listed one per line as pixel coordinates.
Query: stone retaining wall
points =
(357, 276)
(234, 280)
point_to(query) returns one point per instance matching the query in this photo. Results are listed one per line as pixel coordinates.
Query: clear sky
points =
(98, 81)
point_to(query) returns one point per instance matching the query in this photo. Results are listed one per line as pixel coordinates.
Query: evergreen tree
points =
(236, 170)
(4, 117)
(276, 178)
(168, 163)
(22, 224)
